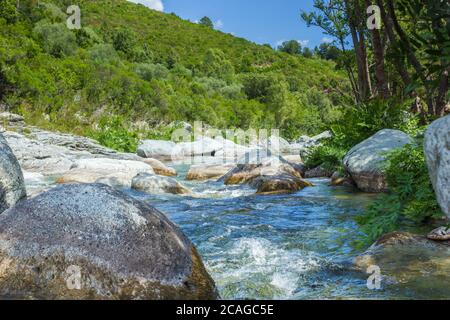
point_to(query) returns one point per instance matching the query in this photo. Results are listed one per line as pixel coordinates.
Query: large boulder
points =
(364, 162)
(268, 173)
(35, 156)
(152, 184)
(93, 242)
(208, 171)
(158, 149)
(12, 186)
(269, 166)
(437, 154)
(117, 173)
(77, 143)
(204, 146)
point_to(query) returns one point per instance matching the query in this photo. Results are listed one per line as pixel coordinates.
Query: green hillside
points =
(131, 64)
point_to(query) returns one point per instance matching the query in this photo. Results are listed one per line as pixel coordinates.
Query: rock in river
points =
(150, 183)
(278, 184)
(410, 260)
(160, 168)
(158, 149)
(208, 172)
(12, 185)
(364, 161)
(437, 154)
(89, 241)
(118, 173)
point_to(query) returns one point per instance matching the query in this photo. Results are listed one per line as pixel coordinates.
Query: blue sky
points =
(261, 21)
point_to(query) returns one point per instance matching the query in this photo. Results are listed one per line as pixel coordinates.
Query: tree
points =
(291, 47)
(56, 39)
(124, 40)
(307, 52)
(216, 65)
(328, 51)
(8, 10)
(332, 19)
(205, 21)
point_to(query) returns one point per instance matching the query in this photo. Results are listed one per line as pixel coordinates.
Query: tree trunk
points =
(380, 73)
(389, 27)
(364, 89)
(441, 100)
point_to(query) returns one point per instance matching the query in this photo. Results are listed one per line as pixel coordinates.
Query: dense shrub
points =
(328, 156)
(411, 198)
(56, 38)
(103, 53)
(113, 134)
(147, 71)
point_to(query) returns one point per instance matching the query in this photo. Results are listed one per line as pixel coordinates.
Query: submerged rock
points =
(410, 260)
(364, 161)
(12, 186)
(93, 242)
(437, 154)
(208, 172)
(150, 183)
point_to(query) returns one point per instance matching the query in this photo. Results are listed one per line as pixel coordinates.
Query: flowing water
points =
(295, 246)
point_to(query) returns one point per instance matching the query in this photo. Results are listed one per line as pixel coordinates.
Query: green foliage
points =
(147, 71)
(113, 134)
(103, 53)
(411, 198)
(56, 39)
(217, 66)
(117, 64)
(8, 10)
(86, 37)
(363, 121)
(206, 21)
(291, 47)
(328, 156)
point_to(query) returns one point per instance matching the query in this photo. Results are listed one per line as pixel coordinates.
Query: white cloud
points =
(152, 4)
(218, 24)
(303, 43)
(327, 40)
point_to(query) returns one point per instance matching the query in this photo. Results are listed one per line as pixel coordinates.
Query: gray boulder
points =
(364, 162)
(12, 185)
(36, 156)
(437, 154)
(115, 173)
(153, 184)
(158, 149)
(93, 242)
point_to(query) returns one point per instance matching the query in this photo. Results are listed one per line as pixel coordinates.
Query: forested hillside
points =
(129, 64)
